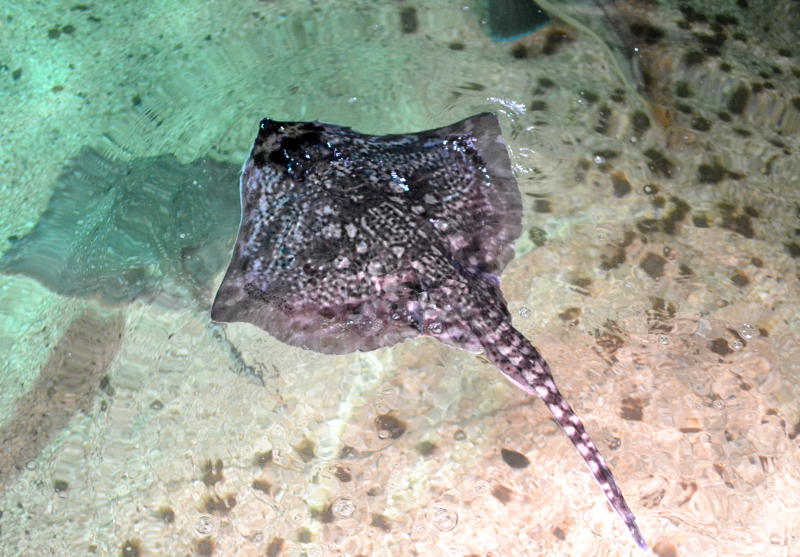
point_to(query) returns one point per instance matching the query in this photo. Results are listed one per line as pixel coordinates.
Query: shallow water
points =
(657, 271)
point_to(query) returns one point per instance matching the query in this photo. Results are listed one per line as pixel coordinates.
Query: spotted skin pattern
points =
(352, 242)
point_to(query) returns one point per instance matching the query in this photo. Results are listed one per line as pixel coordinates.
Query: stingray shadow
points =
(152, 228)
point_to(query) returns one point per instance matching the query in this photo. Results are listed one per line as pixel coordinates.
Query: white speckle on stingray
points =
(342, 263)
(331, 231)
(542, 391)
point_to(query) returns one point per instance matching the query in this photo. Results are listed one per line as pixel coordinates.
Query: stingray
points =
(352, 242)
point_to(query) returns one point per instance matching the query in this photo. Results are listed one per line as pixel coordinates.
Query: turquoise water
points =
(657, 271)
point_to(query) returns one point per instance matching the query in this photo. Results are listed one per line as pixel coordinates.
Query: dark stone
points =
(738, 99)
(381, 522)
(519, 52)
(653, 265)
(131, 548)
(701, 124)
(710, 173)
(621, 185)
(542, 206)
(514, 459)
(641, 122)
(275, 546)
(740, 279)
(693, 58)
(720, 346)
(343, 474)
(659, 163)
(632, 409)
(682, 89)
(408, 20)
(502, 493)
(426, 448)
(387, 422)
(646, 32)
(554, 40)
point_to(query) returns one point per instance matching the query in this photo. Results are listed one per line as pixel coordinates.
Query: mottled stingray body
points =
(353, 242)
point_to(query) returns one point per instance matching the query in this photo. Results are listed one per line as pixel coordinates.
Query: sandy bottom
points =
(657, 272)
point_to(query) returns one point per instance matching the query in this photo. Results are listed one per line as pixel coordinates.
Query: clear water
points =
(665, 294)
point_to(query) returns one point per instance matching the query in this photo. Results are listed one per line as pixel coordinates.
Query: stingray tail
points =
(521, 363)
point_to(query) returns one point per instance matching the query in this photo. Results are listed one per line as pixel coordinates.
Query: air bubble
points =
(444, 519)
(718, 404)
(599, 160)
(737, 345)
(524, 312)
(436, 328)
(481, 487)
(419, 530)
(204, 526)
(748, 331)
(343, 508)
(395, 316)
(663, 339)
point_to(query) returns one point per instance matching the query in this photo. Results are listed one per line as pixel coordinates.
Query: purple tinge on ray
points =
(342, 234)
(353, 242)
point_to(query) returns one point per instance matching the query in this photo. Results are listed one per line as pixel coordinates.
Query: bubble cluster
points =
(444, 519)
(204, 526)
(343, 508)
(436, 328)
(748, 331)
(481, 487)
